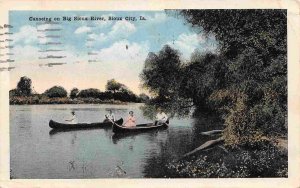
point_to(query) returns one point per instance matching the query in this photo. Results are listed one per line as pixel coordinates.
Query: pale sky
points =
(95, 51)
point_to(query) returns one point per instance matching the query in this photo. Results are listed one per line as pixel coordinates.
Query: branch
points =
(204, 146)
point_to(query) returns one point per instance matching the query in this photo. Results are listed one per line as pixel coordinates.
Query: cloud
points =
(29, 35)
(82, 29)
(187, 43)
(118, 53)
(124, 61)
(120, 30)
(99, 38)
(29, 55)
(25, 53)
(157, 18)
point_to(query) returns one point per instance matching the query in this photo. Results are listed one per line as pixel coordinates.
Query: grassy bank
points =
(22, 100)
(219, 162)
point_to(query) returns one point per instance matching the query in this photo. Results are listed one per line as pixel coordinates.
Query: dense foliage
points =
(23, 87)
(238, 163)
(161, 71)
(74, 92)
(56, 91)
(246, 81)
(58, 95)
(93, 93)
(113, 85)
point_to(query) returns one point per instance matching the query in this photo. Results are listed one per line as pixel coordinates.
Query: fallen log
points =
(204, 146)
(213, 132)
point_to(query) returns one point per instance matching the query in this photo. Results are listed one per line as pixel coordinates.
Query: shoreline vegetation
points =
(244, 81)
(116, 93)
(40, 100)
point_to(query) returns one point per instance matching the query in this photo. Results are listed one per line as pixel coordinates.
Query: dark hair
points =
(73, 112)
(131, 112)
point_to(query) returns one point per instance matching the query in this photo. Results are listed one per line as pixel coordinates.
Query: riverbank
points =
(268, 160)
(36, 100)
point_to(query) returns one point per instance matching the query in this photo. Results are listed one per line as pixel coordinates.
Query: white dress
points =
(73, 120)
(161, 117)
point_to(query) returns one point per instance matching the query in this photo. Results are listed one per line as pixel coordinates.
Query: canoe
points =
(119, 128)
(57, 125)
(58, 131)
(118, 137)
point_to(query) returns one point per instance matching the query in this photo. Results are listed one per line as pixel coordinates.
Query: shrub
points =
(56, 91)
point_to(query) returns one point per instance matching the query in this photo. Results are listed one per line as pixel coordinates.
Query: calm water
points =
(38, 152)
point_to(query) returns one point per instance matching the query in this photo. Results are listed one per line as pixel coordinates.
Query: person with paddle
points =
(130, 121)
(110, 116)
(161, 117)
(73, 119)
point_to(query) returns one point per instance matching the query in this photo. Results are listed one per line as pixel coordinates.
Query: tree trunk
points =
(213, 132)
(204, 146)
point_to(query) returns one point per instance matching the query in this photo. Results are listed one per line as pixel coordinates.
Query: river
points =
(36, 152)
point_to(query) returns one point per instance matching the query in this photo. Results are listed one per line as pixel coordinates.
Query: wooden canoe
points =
(119, 128)
(57, 125)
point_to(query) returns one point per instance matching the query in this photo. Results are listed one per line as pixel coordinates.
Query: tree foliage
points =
(24, 86)
(74, 92)
(113, 85)
(56, 91)
(91, 92)
(161, 72)
(246, 81)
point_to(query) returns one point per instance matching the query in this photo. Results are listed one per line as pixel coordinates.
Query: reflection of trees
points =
(177, 143)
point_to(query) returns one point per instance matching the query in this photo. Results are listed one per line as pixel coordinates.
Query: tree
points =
(74, 92)
(161, 73)
(246, 81)
(201, 76)
(14, 92)
(24, 86)
(91, 92)
(56, 91)
(113, 85)
(237, 30)
(253, 45)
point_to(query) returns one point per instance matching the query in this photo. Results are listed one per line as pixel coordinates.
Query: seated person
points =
(73, 119)
(109, 117)
(161, 117)
(130, 120)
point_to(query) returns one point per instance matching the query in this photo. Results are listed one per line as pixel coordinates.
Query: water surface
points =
(37, 152)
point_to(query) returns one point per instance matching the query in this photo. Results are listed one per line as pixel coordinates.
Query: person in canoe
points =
(109, 117)
(73, 119)
(130, 120)
(161, 117)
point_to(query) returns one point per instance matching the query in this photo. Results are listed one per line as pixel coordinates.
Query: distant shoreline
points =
(34, 100)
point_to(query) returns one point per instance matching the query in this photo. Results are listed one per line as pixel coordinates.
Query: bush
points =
(87, 93)
(56, 91)
(74, 92)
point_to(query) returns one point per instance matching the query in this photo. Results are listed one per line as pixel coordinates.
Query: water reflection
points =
(178, 142)
(150, 135)
(97, 153)
(62, 131)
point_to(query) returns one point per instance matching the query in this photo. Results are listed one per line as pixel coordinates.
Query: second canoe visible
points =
(57, 125)
(119, 128)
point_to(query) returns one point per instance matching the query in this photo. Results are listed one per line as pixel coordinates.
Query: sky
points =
(87, 53)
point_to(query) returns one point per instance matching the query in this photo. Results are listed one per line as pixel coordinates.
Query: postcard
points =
(122, 94)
